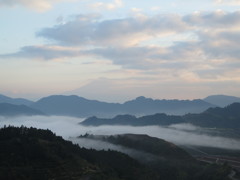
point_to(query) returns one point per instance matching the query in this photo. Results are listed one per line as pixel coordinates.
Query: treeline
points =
(30, 153)
(228, 117)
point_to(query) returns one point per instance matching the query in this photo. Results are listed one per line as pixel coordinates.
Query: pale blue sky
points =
(113, 50)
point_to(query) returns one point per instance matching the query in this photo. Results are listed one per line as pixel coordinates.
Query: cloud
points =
(136, 10)
(155, 8)
(216, 20)
(69, 127)
(159, 85)
(44, 53)
(198, 47)
(116, 32)
(129, 38)
(228, 2)
(221, 45)
(37, 5)
(132, 57)
(107, 6)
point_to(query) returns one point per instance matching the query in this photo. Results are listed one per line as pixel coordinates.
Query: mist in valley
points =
(69, 128)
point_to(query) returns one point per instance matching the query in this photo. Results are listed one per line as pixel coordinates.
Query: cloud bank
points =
(69, 127)
(197, 42)
(197, 53)
(228, 2)
(37, 5)
(107, 6)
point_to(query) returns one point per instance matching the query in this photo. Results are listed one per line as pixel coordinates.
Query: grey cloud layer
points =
(44, 53)
(89, 30)
(217, 19)
(138, 42)
(117, 32)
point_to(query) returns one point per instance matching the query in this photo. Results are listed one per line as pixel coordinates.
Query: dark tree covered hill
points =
(166, 159)
(157, 119)
(148, 144)
(228, 117)
(29, 153)
(34, 154)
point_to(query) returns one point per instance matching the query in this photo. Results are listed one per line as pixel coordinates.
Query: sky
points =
(116, 50)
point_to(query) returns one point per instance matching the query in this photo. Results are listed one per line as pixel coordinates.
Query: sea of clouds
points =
(69, 128)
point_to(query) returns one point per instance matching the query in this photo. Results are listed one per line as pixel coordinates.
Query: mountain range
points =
(221, 100)
(8, 110)
(228, 117)
(16, 101)
(81, 107)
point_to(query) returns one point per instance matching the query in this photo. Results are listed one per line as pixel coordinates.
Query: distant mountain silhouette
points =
(7, 109)
(74, 106)
(157, 119)
(174, 107)
(221, 100)
(16, 101)
(81, 107)
(228, 117)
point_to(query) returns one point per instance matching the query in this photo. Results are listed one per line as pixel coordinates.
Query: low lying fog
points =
(68, 127)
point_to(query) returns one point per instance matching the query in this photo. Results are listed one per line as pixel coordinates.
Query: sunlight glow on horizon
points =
(114, 50)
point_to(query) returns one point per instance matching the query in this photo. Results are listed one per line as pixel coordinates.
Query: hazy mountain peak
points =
(78, 106)
(221, 100)
(7, 109)
(140, 98)
(16, 101)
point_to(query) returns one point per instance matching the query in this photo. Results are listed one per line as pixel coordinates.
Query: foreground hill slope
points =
(166, 159)
(7, 109)
(29, 153)
(147, 144)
